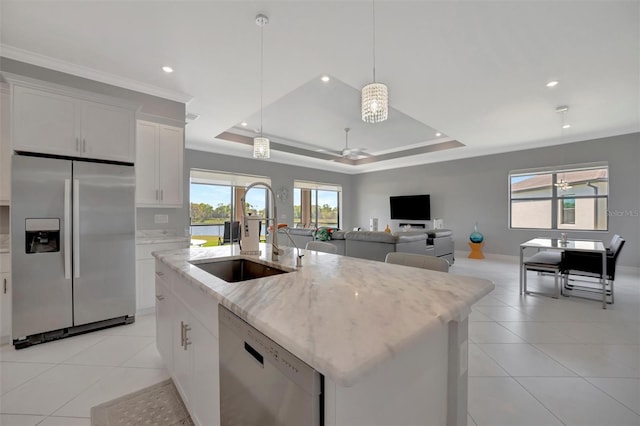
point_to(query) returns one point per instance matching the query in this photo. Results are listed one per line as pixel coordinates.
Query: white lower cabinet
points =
(164, 321)
(5, 298)
(5, 307)
(145, 274)
(188, 347)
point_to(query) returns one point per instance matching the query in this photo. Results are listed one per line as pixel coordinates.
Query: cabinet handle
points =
(158, 296)
(5, 286)
(161, 195)
(84, 145)
(160, 274)
(156, 194)
(182, 334)
(77, 144)
(187, 342)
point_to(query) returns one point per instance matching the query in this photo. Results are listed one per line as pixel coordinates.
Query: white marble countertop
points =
(158, 236)
(341, 315)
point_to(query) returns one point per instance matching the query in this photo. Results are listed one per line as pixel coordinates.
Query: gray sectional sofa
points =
(375, 245)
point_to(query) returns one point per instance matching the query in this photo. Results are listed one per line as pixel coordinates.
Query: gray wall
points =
(476, 189)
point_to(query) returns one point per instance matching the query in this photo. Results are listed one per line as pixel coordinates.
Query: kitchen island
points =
(390, 341)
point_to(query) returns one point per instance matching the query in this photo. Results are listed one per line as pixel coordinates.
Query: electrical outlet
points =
(161, 218)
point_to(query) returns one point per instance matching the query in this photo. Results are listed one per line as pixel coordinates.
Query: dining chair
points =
(418, 261)
(590, 265)
(544, 261)
(321, 246)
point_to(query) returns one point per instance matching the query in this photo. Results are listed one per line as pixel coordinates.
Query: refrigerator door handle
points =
(67, 229)
(76, 228)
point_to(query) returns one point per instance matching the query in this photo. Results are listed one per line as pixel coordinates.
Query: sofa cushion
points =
(375, 236)
(338, 235)
(438, 233)
(404, 237)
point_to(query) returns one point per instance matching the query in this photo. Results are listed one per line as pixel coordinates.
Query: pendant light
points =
(261, 148)
(563, 185)
(375, 96)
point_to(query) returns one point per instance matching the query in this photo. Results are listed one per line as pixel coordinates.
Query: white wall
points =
(476, 189)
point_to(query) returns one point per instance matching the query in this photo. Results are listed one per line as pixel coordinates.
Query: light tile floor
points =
(533, 360)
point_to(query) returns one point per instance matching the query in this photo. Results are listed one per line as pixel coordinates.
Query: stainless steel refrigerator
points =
(73, 247)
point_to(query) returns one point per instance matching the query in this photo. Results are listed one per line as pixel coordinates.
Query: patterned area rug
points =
(159, 404)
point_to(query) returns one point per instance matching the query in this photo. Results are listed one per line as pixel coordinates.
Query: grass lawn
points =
(212, 240)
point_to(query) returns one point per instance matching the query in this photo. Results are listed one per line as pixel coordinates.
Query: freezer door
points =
(42, 295)
(104, 242)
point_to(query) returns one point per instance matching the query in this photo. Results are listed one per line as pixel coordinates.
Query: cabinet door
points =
(205, 387)
(5, 308)
(145, 290)
(170, 159)
(45, 122)
(164, 323)
(182, 357)
(5, 147)
(146, 164)
(107, 132)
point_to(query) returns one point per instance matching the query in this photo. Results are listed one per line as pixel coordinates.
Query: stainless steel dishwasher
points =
(261, 383)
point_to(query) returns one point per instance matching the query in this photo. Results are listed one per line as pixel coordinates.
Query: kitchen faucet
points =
(275, 251)
(285, 229)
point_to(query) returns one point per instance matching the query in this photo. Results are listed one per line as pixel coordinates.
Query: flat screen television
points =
(410, 207)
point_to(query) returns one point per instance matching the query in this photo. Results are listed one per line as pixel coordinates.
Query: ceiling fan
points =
(350, 153)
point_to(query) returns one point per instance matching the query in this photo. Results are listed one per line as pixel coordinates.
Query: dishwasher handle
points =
(255, 354)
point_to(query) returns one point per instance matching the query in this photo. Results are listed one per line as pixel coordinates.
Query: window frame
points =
(556, 198)
(232, 181)
(314, 188)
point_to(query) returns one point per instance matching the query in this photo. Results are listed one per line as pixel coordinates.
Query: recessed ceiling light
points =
(552, 83)
(167, 69)
(244, 124)
(566, 126)
(325, 78)
(438, 134)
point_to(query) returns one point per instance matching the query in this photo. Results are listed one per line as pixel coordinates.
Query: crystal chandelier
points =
(261, 148)
(375, 96)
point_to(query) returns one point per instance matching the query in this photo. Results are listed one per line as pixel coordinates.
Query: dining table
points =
(560, 244)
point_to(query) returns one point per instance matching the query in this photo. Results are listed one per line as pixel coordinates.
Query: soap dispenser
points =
(387, 229)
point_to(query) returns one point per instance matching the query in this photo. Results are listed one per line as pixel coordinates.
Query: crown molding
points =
(22, 55)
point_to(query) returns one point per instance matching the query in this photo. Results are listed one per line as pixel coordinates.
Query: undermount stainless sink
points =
(235, 270)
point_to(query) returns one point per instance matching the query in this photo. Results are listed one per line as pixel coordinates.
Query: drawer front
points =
(143, 251)
(5, 262)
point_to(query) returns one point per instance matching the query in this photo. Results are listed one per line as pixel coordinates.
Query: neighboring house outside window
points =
(316, 204)
(563, 198)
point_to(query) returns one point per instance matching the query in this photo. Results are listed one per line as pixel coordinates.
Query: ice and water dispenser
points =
(42, 235)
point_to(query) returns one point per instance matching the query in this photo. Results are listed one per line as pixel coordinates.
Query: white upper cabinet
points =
(45, 122)
(108, 132)
(5, 147)
(159, 165)
(53, 122)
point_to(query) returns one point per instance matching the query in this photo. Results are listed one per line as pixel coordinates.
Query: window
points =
(215, 199)
(567, 198)
(316, 204)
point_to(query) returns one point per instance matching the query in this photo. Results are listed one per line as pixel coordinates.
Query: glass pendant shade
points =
(375, 103)
(261, 148)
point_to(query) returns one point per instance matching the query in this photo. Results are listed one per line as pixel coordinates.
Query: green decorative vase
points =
(476, 236)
